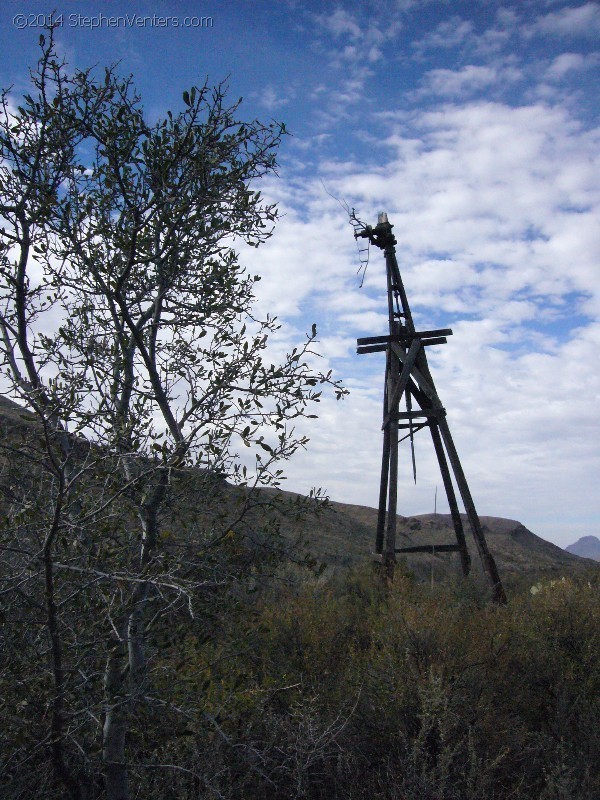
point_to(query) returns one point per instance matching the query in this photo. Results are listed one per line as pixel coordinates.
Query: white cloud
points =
(467, 80)
(352, 44)
(565, 63)
(582, 20)
(271, 98)
(448, 34)
(340, 23)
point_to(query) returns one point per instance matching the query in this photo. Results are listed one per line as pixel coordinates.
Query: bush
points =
(346, 690)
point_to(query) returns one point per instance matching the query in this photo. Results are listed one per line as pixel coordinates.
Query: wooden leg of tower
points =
(389, 558)
(465, 558)
(487, 559)
(383, 490)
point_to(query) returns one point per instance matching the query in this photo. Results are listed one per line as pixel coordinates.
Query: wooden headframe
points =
(408, 378)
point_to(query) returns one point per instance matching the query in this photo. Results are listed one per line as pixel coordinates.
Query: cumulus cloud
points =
(470, 79)
(271, 99)
(340, 23)
(448, 34)
(581, 20)
(566, 63)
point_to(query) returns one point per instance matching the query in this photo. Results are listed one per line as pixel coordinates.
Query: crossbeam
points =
(404, 337)
(381, 348)
(429, 548)
(429, 413)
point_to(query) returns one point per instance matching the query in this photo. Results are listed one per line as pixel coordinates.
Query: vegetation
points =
(341, 688)
(345, 690)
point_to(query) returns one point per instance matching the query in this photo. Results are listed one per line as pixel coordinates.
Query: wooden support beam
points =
(430, 548)
(487, 559)
(408, 415)
(465, 558)
(404, 337)
(436, 332)
(424, 412)
(390, 533)
(383, 490)
(428, 412)
(405, 375)
(381, 348)
(376, 340)
(412, 430)
(392, 369)
(426, 386)
(372, 348)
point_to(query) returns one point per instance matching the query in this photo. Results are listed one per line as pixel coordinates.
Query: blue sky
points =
(474, 125)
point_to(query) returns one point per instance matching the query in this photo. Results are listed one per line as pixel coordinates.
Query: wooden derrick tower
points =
(407, 378)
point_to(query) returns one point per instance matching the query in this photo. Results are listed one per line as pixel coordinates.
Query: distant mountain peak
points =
(586, 547)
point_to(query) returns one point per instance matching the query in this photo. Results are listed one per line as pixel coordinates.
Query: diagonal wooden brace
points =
(407, 368)
(420, 379)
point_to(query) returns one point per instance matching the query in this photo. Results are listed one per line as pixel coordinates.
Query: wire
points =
(358, 226)
(363, 251)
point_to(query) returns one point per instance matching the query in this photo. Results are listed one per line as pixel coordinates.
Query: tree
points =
(127, 329)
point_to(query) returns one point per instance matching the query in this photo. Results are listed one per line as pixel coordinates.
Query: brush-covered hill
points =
(342, 535)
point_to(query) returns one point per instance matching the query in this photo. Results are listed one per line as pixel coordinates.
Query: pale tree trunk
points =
(123, 682)
(115, 727)
(62, 772)
(126, 671)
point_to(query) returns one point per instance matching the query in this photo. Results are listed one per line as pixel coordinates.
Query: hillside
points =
(343, 535)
